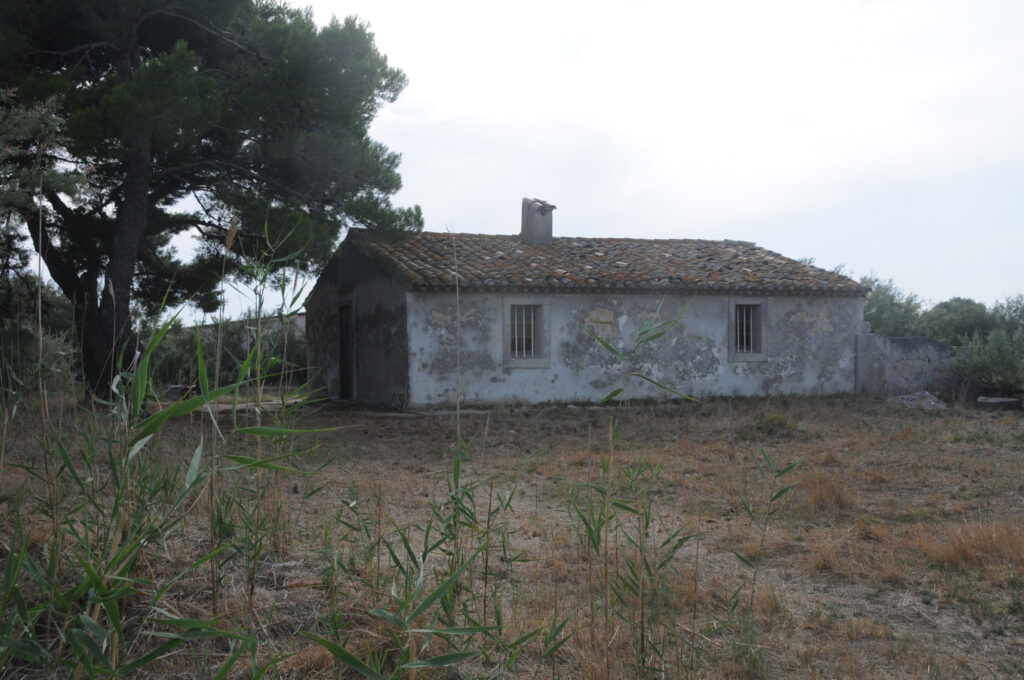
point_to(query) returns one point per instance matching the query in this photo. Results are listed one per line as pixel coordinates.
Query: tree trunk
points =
(108, 346)
(94, 351)
(103, 328)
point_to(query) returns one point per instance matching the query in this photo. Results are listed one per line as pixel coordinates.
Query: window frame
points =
(757, 335)
(541, 341)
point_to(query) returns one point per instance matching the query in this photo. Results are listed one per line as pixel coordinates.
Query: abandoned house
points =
(488, 318)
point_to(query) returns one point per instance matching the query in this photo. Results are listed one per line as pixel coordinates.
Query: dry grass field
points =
(676, 546)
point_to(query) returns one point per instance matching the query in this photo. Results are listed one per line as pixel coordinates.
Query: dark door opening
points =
(345, 359)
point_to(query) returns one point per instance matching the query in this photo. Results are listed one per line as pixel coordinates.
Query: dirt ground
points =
(898, 551)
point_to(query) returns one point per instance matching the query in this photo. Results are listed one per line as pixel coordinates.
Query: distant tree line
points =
(20, 344)
(990, 340)
(176, 361)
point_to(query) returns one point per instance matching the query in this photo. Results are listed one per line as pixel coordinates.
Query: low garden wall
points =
(888, 365)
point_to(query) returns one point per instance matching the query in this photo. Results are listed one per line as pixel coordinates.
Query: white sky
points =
(885, 135)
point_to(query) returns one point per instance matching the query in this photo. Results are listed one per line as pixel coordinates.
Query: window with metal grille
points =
(747, 327)
(523, 331)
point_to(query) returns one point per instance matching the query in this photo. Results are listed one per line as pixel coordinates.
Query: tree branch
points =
(62, 273)
(248, 173)
(57, 203)
(87, 47)
(179, 13)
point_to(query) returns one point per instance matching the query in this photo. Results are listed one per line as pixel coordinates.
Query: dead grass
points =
(823, 495)
(306, 662)
(900, 553)
(972, 544)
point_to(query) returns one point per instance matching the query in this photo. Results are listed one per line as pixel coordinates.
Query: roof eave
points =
(633, 290)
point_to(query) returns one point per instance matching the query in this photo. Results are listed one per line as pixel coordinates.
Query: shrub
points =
(889, 310)
(993, 364)
(20, 364)
(771, 425)
(1010, 313)
(284, 351)
(957, 320)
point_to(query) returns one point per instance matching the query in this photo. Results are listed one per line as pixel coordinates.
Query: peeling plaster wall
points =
(379, 341)
(888, 365)
(434, 361)
(809, 347)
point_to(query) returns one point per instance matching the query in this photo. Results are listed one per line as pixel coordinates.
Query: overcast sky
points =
(883, 135)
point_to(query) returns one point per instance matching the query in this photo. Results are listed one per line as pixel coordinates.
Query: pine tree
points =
(181, 115)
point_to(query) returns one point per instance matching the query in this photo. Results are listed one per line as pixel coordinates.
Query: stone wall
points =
(900, 365)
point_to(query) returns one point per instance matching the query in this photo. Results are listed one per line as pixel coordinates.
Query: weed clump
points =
(975, 543)
(822, 495)
(770, 426)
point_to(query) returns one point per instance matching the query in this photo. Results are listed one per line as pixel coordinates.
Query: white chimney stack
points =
(536, 221)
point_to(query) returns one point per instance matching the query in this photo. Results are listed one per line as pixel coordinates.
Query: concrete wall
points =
(900, 365)
(809, 347)
(379, 350)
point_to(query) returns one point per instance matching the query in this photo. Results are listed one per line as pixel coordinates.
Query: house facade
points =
(491, 319)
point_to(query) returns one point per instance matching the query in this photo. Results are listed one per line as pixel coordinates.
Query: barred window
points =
(747, 329)
(525, 337)
(523, 331)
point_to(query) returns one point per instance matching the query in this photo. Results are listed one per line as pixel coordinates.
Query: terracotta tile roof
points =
(506, 263)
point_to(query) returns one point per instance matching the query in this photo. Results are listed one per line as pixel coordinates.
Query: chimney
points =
(536, 221)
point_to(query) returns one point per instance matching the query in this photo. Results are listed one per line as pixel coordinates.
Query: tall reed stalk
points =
(229, 241)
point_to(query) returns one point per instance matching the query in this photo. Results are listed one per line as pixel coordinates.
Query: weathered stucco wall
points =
(888, 365)
(381, 346)
(321, 339)
(378, 352)
(809, 347)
